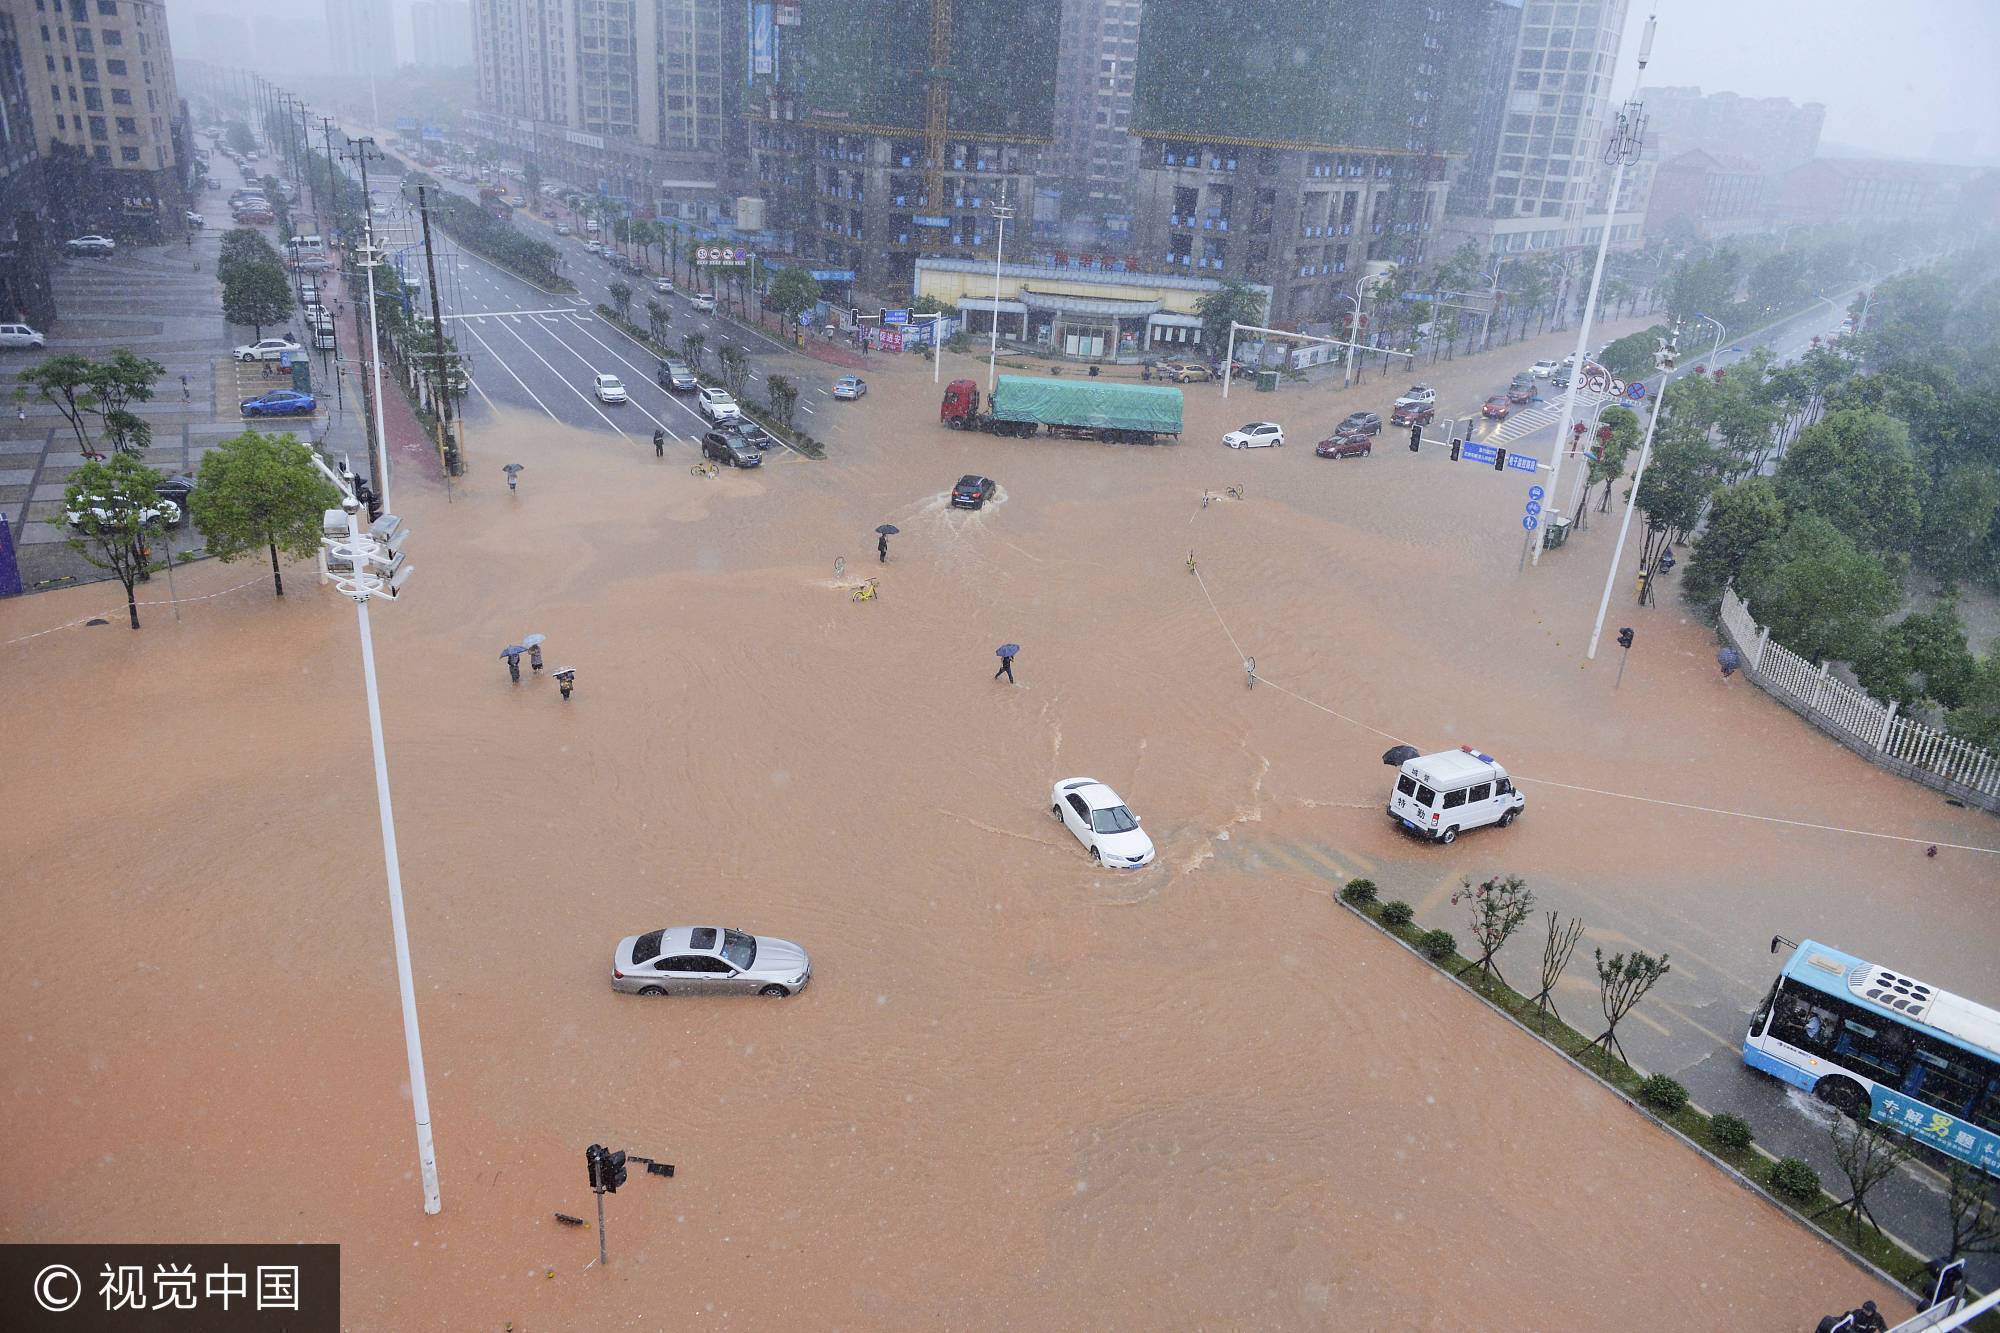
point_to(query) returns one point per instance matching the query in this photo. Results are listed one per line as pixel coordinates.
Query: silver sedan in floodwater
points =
(708, 960)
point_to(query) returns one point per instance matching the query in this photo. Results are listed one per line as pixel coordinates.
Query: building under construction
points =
(885, 129)
(1296, 143)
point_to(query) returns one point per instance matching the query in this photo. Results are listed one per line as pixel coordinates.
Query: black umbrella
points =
(514, 650)
(888, 529)
(1397, 756)
(1007, 650)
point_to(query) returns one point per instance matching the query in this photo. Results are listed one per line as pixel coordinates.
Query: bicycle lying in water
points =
(1229, 492)
(867, 591)
(705, 468)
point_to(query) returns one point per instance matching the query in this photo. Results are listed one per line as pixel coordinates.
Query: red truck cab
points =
(961, 404)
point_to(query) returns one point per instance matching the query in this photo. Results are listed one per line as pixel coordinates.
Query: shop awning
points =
(1171, 321)
(988, 303)
(1089, 305)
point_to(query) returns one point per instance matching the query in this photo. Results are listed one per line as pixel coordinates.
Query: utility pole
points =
(378, 444)
(1000, 215)
(332, 182)
(448, 450)
(1627, 137)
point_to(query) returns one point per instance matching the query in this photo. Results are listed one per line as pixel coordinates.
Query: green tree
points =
(1742, 525)
(108, 509)
(1233, 302)
(658, 317)
(621, 300)
(531, 179)
(1679, 480)
(784, 398)
(1855, 469)
(261, 491)
(794, 291)
(1922, 656)
(1777, 282)
(257, 295)
(923, 305)
(242, 246)
(281, 214)
(691, 349)
(1631, 357)
(1820, 594)
(735, 368)
(115, 384)
(240, 137)
(64, 381)
(1957, 539)
(1977, 719)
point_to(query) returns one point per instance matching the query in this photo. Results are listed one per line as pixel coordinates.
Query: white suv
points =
(1543, 368)
(717, 405)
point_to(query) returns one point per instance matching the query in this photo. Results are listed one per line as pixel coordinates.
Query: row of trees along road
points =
(255, 493)
(1828, 487)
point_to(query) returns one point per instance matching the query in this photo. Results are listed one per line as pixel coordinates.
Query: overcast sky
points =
(1892, 75)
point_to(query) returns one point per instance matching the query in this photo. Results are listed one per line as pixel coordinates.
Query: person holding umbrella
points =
(883, 534)
(512, 652)
(566, 679)
(513, 471)
(534, 645)
(1005, 652)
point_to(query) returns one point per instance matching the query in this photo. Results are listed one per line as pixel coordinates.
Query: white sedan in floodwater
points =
(1100, 820)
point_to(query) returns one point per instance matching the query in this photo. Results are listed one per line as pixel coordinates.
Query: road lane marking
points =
(588, 400)
(501, 362)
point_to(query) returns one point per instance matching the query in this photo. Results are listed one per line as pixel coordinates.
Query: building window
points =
(115, 68)
(97, 127)
(112, 37)
(128, 154)
(93, 100)
(121, 97)
(102, 154)
(127, 125)
(108, 8)
(87, 68)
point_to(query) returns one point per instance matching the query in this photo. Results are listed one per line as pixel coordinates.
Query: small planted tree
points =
(1622, 981)
(66, 382)
(256, 294)
(1867, 1154)
(658, 317)
(261, 491)
(115, 383)
(108, 509)
(735, 368)
(784, 399)
(691, 348)
(1972, 1210)
(1497, 908)
(794, 291)
(621, 300)
(1556, 951)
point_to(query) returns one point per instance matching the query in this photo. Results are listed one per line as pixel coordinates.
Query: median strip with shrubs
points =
(1498, 908)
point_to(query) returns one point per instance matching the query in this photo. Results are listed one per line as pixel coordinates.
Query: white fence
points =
(1860, 721)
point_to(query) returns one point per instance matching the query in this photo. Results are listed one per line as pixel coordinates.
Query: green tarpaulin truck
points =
(1071, 409)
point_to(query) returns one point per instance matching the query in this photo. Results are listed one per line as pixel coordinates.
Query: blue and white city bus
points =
(1855, 1034)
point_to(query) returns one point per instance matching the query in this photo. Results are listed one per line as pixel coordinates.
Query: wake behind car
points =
(678, 376)
(972, 492)
(850, 387)
(708, 960)
(730, 448)
(90, 245)
(280, 403)
(1256, 435)
(267, 349)
(717, 404)
(1100, 820)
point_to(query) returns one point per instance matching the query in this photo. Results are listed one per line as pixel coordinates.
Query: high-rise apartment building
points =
(1091, 162)
(361, 38)
(1540, 183)
(630, 98)
(841, 132)
(441, 33)
(107, 113)
(1773, 132)
(1294, 144)
(25, 238)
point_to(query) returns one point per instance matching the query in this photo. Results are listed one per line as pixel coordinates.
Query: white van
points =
(1441, 795)
(324, 335)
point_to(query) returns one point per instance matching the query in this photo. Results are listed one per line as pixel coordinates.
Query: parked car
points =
(562, 228)
(664, 286)
(1186, 372)
(1417, 395)
(593, 247)
(1543, 368)
(1356, 445)
(1256, 435)
(194, 219)
(850, 387)
(704, 302)
(1359, 423)
(280, 403)
(708, 960)
(728, 447)
(267, 349)
(20, 335)
(1495, 407)
(1100, 820)
(972, 492)
(716, 404)
(254, 217)
(90, 245)
(1413, 414)
(678, 376)
(748, 431)
(610, 389)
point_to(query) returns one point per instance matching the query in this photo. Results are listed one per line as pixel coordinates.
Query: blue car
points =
(850, 387)
(280, 403)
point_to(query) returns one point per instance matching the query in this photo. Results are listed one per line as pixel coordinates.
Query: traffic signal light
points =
(613, 1172)
(1416, 437)
(1624, 641)
(1499, 460)
(1455, 443)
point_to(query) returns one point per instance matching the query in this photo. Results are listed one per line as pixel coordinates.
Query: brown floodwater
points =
(1020, 1092)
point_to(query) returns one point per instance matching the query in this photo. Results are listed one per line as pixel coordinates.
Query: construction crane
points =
(937, 103)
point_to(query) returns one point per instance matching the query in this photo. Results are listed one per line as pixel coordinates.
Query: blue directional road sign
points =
(1534, 506)
(895, 317)
(1477, 453)
(1530, 522)
(1523, 463)
(1536, 492)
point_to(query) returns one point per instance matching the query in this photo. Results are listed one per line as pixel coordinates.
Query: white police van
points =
(1442, 795)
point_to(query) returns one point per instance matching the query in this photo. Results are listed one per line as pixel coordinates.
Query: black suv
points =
(678, 376)
(729, 449)
(1360, 423)
(972, 492)
(748, 431)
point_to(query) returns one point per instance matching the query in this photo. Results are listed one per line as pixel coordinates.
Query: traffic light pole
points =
(1631, 503)
(602, 1257)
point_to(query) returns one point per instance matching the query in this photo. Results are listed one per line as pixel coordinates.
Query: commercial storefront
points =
(1084, 314)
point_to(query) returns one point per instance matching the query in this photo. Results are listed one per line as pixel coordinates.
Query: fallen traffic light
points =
(1499, 460)
(1454, 448)
(1416, 437)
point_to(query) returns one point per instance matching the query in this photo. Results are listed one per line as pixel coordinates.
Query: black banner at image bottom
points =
(213, 1288)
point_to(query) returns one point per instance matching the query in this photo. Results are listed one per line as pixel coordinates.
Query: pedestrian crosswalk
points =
(1546, 412)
